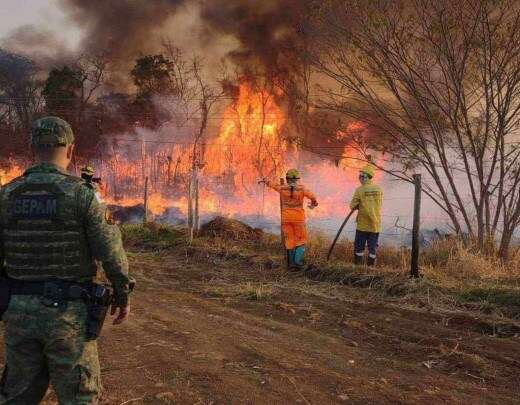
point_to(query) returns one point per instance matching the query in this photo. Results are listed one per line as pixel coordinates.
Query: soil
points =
(231, 329)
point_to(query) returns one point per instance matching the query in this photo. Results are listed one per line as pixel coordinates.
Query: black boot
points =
(371, 261)
(358, 260)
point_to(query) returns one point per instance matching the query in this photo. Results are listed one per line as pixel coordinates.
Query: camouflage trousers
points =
(47, 345)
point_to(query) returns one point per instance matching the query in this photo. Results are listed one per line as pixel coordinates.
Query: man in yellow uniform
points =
(292, 196)
(368, 199)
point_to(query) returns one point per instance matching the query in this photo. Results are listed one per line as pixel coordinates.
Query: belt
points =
(54, 291)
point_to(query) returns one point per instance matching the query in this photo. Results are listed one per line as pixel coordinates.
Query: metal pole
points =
(339, 234)
(145, 216)
(416, 226)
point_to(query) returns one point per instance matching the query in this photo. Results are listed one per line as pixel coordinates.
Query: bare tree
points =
(440, 82)
(20, 98)
(194, 98)
(92, 74)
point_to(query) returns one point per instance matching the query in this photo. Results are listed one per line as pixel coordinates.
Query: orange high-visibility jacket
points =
(292, 198)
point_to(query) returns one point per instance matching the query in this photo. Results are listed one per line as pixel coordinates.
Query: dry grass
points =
(388, 257)
(454, 276)
(250, 291)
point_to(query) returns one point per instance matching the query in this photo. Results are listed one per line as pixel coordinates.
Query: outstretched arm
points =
(272, 185)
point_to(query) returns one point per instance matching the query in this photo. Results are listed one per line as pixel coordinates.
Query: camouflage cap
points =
(87, 170)
(52, 132)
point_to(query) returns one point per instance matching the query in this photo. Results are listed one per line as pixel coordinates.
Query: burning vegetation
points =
(249, 89)
(249, 145)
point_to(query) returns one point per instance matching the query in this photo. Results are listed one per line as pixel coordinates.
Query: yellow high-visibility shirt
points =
(368, 199)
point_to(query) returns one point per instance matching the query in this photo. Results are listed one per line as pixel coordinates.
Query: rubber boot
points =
(371, 261)
(299, 255)
(290, 259)
(358, 260)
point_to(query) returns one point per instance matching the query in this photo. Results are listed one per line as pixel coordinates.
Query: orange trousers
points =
(294, 233)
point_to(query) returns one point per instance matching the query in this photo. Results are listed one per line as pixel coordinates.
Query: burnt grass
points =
(220, 321)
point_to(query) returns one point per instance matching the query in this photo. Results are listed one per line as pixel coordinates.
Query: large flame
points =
(13, 170)
(248, 147)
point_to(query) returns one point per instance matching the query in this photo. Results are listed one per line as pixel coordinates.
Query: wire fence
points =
(168, 166)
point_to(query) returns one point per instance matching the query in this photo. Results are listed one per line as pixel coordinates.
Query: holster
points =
(98, 302)
(5, 295)
(56, 293)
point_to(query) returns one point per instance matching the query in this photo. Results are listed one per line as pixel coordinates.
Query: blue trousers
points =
(366, 239)
(295, 256)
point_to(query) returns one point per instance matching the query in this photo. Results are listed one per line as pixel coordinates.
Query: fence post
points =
(282, 183)
(145, 216)
(416, 226)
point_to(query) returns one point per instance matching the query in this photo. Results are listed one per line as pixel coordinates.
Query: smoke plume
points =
(262, 30)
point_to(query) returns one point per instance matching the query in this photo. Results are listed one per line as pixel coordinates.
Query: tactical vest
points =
(43, 229)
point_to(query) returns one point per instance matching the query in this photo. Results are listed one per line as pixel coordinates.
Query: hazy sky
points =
(43, 14)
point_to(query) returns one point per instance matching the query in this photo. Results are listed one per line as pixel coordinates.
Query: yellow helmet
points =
(368, 170)
(292, 174)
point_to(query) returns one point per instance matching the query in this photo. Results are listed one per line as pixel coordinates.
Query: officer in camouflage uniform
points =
(52, 230)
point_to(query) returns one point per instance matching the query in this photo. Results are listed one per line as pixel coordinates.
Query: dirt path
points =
(200, 334)
(207, 331)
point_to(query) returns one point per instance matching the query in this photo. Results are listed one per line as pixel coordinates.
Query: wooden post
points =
(145, 216)
(193, 202)
(176, 170)
(190, 206)
(416, 226)
(169, 169)
(196, 216)
(282, 183)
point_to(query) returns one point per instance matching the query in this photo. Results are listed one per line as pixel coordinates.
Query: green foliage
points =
(153, 75)
(493, 296)
(62, 91)
(152, 235)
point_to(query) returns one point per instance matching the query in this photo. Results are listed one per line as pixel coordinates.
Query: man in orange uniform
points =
(292, 196)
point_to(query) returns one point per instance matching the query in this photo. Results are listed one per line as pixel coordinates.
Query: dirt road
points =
(208, 331)
(212, 330)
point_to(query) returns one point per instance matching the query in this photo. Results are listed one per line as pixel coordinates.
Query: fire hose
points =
(339, 233)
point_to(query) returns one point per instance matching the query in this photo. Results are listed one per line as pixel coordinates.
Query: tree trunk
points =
(505, 242)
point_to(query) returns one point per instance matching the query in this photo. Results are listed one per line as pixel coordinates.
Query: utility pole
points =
(416, 226)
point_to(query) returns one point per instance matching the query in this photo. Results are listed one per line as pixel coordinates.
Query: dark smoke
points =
(124, 29)
(121, 29)
(269, 31)
(41, 46)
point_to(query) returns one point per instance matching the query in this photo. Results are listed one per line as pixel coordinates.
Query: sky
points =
(43, 14)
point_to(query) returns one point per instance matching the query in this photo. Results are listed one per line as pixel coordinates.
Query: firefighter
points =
(87, 173)
(292, 197)
(367, 199)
